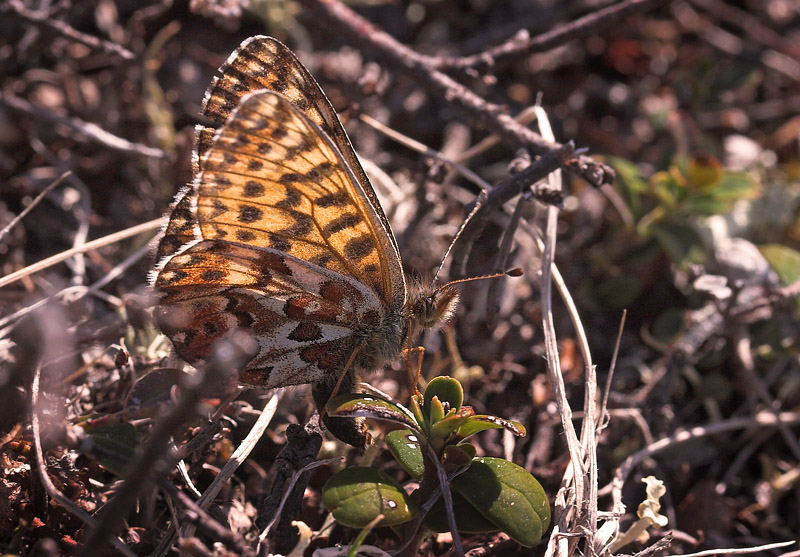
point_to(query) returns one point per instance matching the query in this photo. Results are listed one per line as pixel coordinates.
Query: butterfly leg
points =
(413, 378)
(352, 431)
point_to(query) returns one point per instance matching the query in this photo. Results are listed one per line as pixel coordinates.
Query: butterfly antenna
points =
(478, 203)
(515, 272)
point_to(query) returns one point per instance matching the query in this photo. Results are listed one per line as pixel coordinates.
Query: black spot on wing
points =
(249, 214)
(290, 178)
(336, 199)
(359, 248)
(253, 189)
(218, 208)
(212, 275)
(347, 220)
(322, 170)
(322, 260)
(279, 133)
(306, 331)
(245, 236)
(300, 228)
(292, 199)
(279, 243)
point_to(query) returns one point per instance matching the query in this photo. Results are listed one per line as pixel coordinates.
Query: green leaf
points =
(417, 411)
(508, 496)
(435, 410)
(666, 188)
(447, 389)
(112, 443)
(482, 422)
(404, 446)
(469, 520)
(454, 457)
(735, 186)
(784, 261)
(720, 198)
(706, 204)
(361, 405)
(702, 173)
(468, 448)
(357, 495)
(682, 243)
(445, 427)
(630, 182)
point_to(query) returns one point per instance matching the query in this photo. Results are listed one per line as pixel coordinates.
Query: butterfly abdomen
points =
(379, 340)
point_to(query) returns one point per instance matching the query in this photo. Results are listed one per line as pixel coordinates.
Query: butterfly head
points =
(440, 306)
(429, 308)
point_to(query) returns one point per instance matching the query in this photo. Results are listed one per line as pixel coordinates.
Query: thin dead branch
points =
(94, 244)
(41, 468)
(88, 129)
(46, 21)
(521, 45)
(493, 116)
(54, 184)
(154, 460)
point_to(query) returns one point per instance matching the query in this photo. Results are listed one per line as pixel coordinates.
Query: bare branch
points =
(44, 20)
(494, 117)
(520, 45)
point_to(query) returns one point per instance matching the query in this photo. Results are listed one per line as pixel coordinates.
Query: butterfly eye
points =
(437, 308)
(430, 309)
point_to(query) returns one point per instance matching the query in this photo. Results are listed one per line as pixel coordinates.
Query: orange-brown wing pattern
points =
(281, 235)
(273, 179)
(264, 63)
(181, 228)
(301, 317)
(284, 243)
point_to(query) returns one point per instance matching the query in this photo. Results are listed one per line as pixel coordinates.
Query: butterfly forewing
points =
(272, 179)
(264, 63)
(287, 247)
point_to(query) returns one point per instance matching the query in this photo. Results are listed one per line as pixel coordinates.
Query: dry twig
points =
(493, 116)
(89, 129)
(521, 45)
(17, 8)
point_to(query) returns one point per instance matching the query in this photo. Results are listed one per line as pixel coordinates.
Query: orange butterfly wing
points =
(274, 188)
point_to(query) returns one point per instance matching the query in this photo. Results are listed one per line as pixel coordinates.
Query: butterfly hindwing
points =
(301, 316)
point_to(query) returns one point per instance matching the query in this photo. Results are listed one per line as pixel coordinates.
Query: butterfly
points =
(281, 235)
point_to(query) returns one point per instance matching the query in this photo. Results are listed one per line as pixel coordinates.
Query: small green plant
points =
(664, 216)
(456, 489)
(665, 206)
